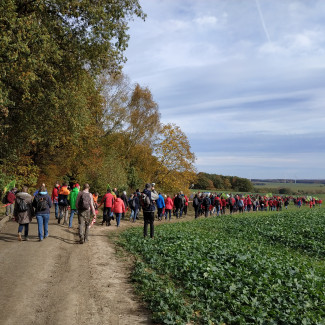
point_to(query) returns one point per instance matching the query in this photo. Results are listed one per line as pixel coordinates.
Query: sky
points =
(244, 80)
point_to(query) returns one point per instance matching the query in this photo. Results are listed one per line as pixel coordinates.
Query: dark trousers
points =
(107, 216)
(196, 209)
(160, 213)
(149, 218)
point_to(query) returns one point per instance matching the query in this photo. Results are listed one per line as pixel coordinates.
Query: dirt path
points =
(58, 281)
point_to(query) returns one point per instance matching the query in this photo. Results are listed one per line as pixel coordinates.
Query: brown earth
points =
(58, 281)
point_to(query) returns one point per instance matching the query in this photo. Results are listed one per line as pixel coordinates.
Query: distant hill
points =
(298, 181)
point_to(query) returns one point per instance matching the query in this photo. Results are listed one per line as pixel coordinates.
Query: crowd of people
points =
(69, 201)
(210, 204)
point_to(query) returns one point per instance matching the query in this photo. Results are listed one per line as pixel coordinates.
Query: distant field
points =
(292, 186)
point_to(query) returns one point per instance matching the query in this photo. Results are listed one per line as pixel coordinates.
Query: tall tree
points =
(50, 55)
(176, 160)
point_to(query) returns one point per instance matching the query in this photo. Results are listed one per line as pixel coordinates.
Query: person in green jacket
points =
(72, 200)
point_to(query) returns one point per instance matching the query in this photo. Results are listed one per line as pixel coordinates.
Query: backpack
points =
(196, 201)
(63, 200)
(42, 204)
(145, 200)
(133, 203)
(21, 205)
(84, 201)
(206, 201)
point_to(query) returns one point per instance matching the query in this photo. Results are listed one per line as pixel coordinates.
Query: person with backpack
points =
(72, 198)
(196, 205)
(42, 204)
(179, 202)
(134, 206)
(206, 204)
(63, 203)
(23, 212)
(55, 198)
(85, 206)
(148, 196)
(10, 201)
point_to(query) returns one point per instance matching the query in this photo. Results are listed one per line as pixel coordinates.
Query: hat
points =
(148, 186)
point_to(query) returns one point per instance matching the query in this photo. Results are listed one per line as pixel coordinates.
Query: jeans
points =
(118, 218)
(134, 214)
(10, 209)
(84, 221)
(168, 211)
(72, 212)
(21, 226)
(56, 210)
(43, 225)
(179, 212)
(149, 218)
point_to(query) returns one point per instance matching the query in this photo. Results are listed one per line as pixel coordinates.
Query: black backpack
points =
(63, 200)
(42, 204)
(21, 205)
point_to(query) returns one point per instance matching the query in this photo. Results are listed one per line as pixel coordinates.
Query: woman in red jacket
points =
(118, 209)
(169, 204)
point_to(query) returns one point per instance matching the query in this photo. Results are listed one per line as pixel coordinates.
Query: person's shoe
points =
(81, 241)
(26, 238)
(19, 236)
(86, 240)
(59, 220)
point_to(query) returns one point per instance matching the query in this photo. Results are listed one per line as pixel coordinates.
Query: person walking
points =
(10, 202)
(118, 209)
(108, 201)
(55, 198)
(72, 198)
(169, 204)
(134, 206)
(23, 212)
(85, 206)
(148, 196)
(42, 204)
(160, 206)
(196, 205)
(63, 203)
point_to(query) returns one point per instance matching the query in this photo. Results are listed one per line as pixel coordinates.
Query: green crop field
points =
(255, 268)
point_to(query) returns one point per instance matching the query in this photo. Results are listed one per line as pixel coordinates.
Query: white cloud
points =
(206, 21)
(211, 69)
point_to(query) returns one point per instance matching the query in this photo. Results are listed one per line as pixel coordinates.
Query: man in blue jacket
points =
(160, 206)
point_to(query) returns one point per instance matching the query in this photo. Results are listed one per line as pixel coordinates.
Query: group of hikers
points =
(69, 201)
(210, 204)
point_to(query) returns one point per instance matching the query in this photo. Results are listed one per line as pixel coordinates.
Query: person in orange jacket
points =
(63, 203)
(118, 209)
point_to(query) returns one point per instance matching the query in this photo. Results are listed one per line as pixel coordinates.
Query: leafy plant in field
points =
(223, 272)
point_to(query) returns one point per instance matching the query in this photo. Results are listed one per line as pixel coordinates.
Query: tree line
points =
(212, 182)
(67, 112)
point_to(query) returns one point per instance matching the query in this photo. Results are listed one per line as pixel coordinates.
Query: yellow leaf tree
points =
(176, 171)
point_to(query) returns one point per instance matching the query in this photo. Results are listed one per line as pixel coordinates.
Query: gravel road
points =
(58, 281)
